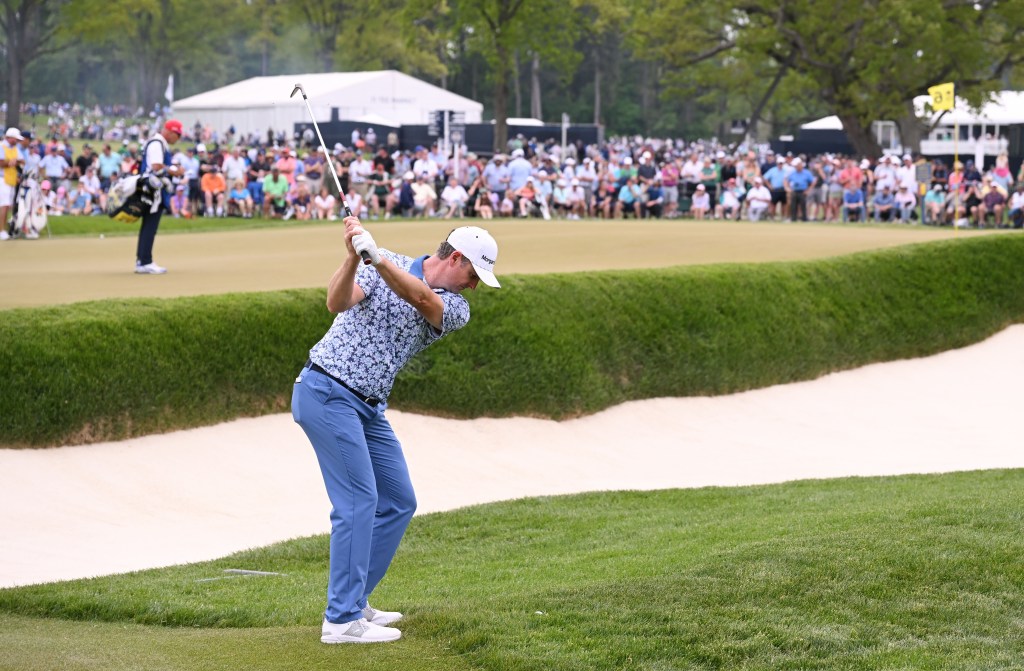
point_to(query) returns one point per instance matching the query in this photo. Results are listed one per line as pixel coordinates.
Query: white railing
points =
(991, 147)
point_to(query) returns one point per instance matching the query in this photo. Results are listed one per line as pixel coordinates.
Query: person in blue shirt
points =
(630, 198)
(797, 184)
(853, 203)
(775, 178)
(885, 204)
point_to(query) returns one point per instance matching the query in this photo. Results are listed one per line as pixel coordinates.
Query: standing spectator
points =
(940, 174)
(425, 164)
(13, 158)
(286, 166)
(359, 173)
(257, 169)
(775, 177)
(496, 176)
(379, 186)
(370, 140)
(84, 161)
(313, 168)
(797, 184)
(670, 185)
(156, 159)
(109, 166)
(54, 166)
(519, 169)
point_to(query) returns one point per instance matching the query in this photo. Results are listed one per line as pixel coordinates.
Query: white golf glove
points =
(363, 242)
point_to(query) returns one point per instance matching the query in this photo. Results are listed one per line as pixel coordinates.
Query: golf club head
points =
(298, 87)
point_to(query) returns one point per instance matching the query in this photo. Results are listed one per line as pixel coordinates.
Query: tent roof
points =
(274, 91)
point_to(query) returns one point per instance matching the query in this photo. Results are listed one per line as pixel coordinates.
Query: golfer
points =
(387, 313)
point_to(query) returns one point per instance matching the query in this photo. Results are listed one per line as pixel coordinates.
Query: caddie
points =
(387, 312)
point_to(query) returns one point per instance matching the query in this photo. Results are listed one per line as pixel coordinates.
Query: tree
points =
(865, 59)
(29, 28)
(497, 27)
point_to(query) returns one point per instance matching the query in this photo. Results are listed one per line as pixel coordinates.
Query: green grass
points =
(916, 572)
(545, 345)
(79, 226)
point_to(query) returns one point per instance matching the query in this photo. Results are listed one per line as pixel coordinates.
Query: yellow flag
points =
(942, 96)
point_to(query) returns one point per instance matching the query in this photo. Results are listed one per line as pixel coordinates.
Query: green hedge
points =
(544, 345)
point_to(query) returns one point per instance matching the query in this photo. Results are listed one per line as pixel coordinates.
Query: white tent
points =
(256, 104)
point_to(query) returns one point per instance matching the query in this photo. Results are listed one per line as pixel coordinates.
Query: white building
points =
(996, 128)
(384, 98)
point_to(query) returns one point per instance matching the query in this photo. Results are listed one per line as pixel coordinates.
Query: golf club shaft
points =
(329, 158)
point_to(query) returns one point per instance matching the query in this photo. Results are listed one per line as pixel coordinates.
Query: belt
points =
(368, 400)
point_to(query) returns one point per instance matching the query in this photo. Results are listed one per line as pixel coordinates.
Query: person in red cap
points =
(156, 159)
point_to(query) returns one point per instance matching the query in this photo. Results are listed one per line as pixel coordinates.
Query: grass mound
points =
(545, 345)
(909, 572)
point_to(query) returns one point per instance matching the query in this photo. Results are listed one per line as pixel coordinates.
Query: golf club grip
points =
(348, 213)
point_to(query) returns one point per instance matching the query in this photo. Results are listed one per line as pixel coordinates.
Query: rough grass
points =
(914, 572)
(545, 345)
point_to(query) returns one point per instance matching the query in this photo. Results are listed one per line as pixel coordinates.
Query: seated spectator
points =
(729, 203)
(240, 200)
(630, 199)
(905, 203)
(179, 203)
(507, 206)
(275, 190)
(401, 200)
(759, 199)
(480, 199)
(934, 205)
(527, 197)
(604, 201)
(1016, 206)
(356, 203)
(993, 201)
(57, 203)
(302, 201)
(560, 199)
(577, 199)
(854, 208)
(654, 198)
(701, 204)
(454, 198)
(215, 190)
(885, 205)
(424, 196)
(80, 200)
(323, 205)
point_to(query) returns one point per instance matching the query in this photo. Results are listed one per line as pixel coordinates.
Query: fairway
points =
(71, 269)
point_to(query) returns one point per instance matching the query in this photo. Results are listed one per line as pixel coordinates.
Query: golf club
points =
(330, 159)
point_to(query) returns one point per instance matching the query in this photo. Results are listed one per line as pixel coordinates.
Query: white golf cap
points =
(200, 147)
(479, 247)
(516, 153)
(14, 133)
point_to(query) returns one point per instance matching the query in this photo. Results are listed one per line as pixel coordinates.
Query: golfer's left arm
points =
(413, 291)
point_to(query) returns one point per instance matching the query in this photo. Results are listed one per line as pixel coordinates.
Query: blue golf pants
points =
(367, 480)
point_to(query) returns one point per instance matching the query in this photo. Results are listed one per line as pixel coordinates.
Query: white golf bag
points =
(30, 215)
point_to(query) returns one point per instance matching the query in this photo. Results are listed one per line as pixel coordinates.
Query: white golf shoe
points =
(149, 269)
(357, 631)
(380, 617)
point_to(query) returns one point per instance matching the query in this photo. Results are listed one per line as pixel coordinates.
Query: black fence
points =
(479, 138)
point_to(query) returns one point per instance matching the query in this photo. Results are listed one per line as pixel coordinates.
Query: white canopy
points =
(260, 103)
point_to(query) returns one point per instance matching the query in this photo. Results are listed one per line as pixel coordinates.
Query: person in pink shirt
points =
(286, 165)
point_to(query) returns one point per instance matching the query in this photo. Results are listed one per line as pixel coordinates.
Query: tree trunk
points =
(597, 90)
(535, 105)
(861, 137)
(912, 131)
(15, 77)
(645, 95)
(516, 91)
(501, 99)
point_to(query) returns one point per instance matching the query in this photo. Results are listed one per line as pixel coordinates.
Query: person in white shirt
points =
(759, 199)
(424, 164)
(454, 197)
(577, 199)
(323, 205)
(358, 174)
(906, 202)
(1016, 207)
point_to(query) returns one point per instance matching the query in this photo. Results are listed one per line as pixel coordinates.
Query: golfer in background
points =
(387, 313)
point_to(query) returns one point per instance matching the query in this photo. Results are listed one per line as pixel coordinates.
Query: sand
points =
(201, 494)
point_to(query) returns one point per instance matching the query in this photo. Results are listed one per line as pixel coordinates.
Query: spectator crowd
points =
(279, 177)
